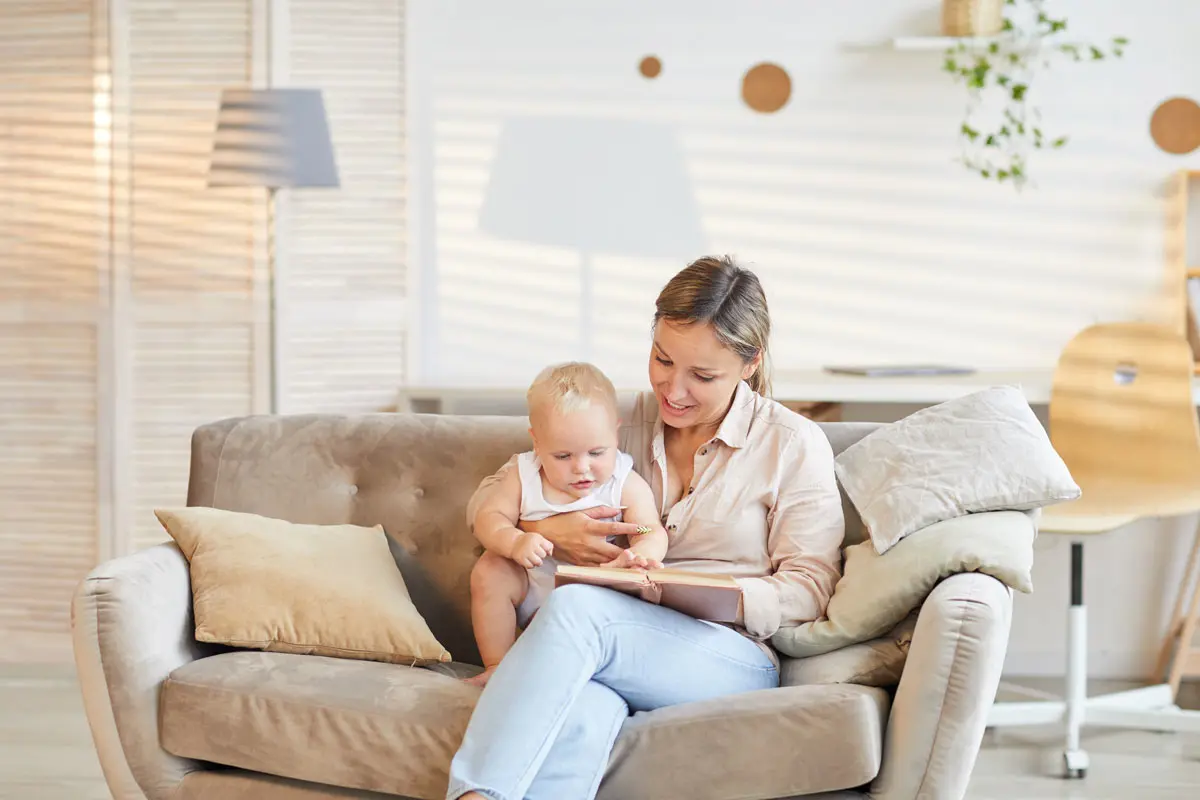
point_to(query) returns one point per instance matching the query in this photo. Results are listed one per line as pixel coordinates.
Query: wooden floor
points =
(46, 753)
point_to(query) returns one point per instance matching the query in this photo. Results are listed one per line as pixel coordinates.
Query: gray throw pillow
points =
(985, 451)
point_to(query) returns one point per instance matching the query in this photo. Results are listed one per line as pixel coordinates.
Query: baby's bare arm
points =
(497, 516)
(638, 499)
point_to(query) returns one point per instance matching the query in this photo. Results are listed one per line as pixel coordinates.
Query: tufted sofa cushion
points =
(394, 729)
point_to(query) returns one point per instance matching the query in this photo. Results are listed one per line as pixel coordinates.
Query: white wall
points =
(873, 243)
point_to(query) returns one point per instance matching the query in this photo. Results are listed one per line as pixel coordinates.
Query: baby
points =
(574, 465)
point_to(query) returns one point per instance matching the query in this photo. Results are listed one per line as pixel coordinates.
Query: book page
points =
(600, 575)
(691, 578)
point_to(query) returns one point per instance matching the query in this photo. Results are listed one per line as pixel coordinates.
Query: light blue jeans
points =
(546, 722)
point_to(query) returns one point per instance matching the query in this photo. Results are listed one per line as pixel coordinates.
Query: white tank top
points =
(535, 506)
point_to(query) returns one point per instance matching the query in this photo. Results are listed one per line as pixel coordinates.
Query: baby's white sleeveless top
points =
(535, 506)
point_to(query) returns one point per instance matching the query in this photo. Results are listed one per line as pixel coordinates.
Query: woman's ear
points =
(753, 366)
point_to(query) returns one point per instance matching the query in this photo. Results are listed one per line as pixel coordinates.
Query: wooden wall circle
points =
(1175, 125)
(766, 88)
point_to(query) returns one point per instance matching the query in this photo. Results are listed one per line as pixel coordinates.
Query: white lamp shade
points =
(272, 138)
(593, 184)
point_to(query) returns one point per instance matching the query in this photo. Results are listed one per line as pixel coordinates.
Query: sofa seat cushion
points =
(394, 729)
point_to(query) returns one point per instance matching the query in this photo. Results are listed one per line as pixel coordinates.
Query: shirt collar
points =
(736, 426)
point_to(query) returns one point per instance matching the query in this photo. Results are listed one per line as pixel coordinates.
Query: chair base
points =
(1150, 708)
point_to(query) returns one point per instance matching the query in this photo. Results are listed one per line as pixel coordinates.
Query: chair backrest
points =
(1123, 419)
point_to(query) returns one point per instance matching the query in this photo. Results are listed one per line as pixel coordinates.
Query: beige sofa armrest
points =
(131, 625)
(948, 685)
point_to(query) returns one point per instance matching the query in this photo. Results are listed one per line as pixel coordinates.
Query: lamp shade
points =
(596, 185)
(272, 138)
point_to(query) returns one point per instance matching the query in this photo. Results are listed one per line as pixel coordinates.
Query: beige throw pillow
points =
(985, 451)
(268, 584)
(876, 591)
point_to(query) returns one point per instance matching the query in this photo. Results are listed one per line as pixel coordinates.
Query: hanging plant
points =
(1001, 127)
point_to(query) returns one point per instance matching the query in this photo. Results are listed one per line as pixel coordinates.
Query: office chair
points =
(1123, 418)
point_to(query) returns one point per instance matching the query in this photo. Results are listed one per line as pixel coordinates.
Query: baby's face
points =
(578, 450)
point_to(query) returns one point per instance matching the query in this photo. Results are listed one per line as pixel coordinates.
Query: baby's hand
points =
(631, 560)
(530, 549)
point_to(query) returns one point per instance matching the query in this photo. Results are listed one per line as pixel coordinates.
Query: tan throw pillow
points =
(269, 584)
(878, 662)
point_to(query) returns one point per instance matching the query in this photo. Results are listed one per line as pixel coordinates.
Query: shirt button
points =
(704, 451)
(691, 489)
(670, 527)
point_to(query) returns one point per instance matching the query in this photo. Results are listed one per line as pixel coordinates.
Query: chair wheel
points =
(1075, 765)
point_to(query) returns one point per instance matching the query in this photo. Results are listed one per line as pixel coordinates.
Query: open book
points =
(697, 594)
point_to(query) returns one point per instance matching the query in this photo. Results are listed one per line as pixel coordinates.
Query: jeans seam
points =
(565, 709)
(598, 777)
(723, 656)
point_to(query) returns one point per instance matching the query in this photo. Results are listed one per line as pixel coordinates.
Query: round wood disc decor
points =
(650, 67)
(1175, 125)
(766, 88)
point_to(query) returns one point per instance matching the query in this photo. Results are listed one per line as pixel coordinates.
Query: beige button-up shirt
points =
(763, 506)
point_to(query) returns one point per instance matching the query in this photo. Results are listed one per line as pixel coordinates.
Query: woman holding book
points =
(745, 488)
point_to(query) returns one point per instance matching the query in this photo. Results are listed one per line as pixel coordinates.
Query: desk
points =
(789, 385)
(793, 385)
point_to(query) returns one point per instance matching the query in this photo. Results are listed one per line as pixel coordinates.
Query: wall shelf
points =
(939, 43)
(943, 43)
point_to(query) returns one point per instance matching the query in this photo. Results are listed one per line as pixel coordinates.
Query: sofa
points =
(174, 719)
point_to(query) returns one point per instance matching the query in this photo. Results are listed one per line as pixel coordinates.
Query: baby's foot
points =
(482, 678)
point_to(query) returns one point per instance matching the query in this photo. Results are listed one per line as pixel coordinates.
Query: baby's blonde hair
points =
(569, 387)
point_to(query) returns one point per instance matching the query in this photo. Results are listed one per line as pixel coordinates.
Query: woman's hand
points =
(580, 537)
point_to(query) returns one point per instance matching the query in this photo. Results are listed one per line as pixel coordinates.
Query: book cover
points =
(701, 595)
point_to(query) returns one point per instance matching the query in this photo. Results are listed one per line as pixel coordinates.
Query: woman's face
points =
(693, 374)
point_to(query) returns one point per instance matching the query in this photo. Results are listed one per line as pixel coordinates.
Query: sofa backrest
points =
(411, 473)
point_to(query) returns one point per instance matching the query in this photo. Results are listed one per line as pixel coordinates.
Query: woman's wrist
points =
(534, 526)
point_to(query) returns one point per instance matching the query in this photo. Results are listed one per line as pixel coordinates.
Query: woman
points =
(745, 487)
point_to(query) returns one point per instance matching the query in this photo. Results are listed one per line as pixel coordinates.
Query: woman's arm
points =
(804, 539)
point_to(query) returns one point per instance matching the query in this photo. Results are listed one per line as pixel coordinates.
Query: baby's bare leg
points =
(498, 586)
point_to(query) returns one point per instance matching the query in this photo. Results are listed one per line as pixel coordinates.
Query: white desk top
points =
(818, 385)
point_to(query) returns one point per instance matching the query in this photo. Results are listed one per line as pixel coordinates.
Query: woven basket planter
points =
(972, 17)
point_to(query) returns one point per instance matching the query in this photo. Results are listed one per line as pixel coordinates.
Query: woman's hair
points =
(569, 387)
(716, 291)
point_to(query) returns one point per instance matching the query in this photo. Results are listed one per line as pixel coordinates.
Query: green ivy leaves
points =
(1002, 73)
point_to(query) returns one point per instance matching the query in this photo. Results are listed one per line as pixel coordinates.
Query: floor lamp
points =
(276, 139)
